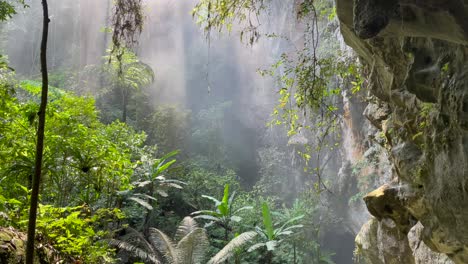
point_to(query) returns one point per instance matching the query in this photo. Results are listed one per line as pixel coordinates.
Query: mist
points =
(204, 77)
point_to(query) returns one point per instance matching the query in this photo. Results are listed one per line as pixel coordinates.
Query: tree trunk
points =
(146, 224)
(40, 138)
(269, 257)
(124, 106)
(226, 238)
(294, 247)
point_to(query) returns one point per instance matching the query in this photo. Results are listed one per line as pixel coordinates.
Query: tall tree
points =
(40, 137)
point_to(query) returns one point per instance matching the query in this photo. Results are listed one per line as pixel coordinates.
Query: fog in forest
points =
(203, 82)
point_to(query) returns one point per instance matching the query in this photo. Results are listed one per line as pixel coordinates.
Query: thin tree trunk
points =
(269, 257)
(266, 257)
(294, 247)
(124, 106)
(237, 258)
(226, 238)
(40, 138)
(146, 224)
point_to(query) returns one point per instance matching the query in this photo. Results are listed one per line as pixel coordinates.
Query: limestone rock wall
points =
(13, 247)
(416, 54)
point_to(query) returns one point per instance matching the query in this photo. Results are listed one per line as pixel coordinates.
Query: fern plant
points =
(273, 234)
(189, 245)
(233, 247)
(150, 182)
(224, 215)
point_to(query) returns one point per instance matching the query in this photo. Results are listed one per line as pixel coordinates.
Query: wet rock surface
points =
(382, 242)
(416, 53)
(13, 246)
(421, 252)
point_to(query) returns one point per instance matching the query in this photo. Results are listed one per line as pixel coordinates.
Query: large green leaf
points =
(267, 222)
(162, 167)
(216, 201)
(223, 207)
(206, 212)
(292, 220)
(226, 194)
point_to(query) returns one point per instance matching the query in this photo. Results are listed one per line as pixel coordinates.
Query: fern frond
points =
(191, 249)
(164, 244)
(135, 251)
(229, 250)
(187, 225)
(137, 239)
(141, 202)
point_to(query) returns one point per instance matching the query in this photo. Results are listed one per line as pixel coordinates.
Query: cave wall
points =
(415, 52)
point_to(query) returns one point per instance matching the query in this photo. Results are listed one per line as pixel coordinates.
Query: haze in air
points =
(228, 132)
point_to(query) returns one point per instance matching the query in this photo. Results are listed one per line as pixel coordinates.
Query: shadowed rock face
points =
(372, 16)
(13, 245)
(417, 53)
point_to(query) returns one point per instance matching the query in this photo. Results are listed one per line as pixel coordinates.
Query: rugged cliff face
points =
(416, 53)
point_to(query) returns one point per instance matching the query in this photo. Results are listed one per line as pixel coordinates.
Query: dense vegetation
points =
(126, 181)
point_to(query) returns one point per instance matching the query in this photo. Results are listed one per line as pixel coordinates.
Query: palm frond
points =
(256, 246)
(164, 244)
(294, 219)
(137, 239)
(187, 225)
(207, 212)
(191, 249)
(229, 250)
(135, 251)
(208, 217)
(243, 208)
(141, 202)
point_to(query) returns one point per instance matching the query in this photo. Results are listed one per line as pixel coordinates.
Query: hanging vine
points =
(127, 25)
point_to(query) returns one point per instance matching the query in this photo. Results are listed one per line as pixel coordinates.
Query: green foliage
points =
(8, 8)
(274, 234)
(189, 246)
(311, 87)
(233, 247)
(85, 160)
(14, 210)
(73, 231)
(128, 71)
(167, 126)
(200, 178)
(300, 246)
(223, 14)
(122, 75)
(224, 215)
(149, 181)
(92, 167)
